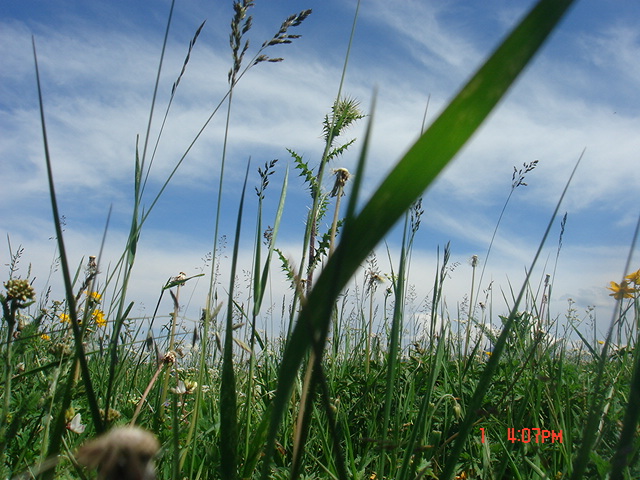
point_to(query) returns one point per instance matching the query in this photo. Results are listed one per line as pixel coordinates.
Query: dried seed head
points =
(92, 265)
(342, 176)
(124, 453)
(169, 358)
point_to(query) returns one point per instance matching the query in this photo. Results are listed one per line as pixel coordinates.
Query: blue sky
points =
(98, 64)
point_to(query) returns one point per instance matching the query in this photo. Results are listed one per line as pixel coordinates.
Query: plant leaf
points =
(406, 182)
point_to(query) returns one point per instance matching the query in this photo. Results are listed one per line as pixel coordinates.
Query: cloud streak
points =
(98, 81)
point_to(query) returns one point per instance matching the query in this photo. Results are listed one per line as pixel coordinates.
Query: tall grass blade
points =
(411, 176)
(272, 245)
(54, 445)
(155, 88)
(173, 93)
(393, 364)
(228, 401)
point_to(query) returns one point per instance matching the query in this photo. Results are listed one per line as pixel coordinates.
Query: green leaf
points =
(406, 182)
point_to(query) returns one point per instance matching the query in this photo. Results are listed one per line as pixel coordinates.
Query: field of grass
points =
(340, 393)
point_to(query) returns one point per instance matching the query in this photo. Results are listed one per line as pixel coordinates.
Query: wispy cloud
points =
(98, 79)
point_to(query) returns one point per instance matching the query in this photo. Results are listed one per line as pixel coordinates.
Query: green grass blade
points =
(393, 363)
(228, 401)
(155, 89)
(272, 245)
(71, 302)
(411, 176)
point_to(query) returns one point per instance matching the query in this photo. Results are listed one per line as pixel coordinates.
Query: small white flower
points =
(180, 389)
(75, 425)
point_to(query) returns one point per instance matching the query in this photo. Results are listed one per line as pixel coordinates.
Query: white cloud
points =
(98, 84)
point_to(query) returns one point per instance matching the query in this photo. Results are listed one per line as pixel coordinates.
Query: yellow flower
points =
(634, 277)
(95, 296)
(621, 291)
(44, 336)
(64, 318)
(98, 316)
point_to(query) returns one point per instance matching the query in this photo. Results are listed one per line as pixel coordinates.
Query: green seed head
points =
(19, 289)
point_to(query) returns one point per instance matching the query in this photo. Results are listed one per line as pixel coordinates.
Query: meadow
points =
(339, 392)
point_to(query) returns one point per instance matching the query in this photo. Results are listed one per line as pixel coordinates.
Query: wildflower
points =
(75, 425)
(180, 389)
(46, 337)
(623, 290)
(169, 358)
(634, 277)
(64, 318)
(190, 386)
(98, 316)
(94, 296)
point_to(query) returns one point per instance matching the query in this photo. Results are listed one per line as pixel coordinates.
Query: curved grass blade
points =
(55, 441)
(411, 176)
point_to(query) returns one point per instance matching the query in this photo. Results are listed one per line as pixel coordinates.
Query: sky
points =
(98, 63)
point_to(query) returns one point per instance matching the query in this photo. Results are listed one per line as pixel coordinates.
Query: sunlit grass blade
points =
(411, 176)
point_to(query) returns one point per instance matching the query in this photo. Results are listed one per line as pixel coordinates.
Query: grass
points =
(339, 394)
